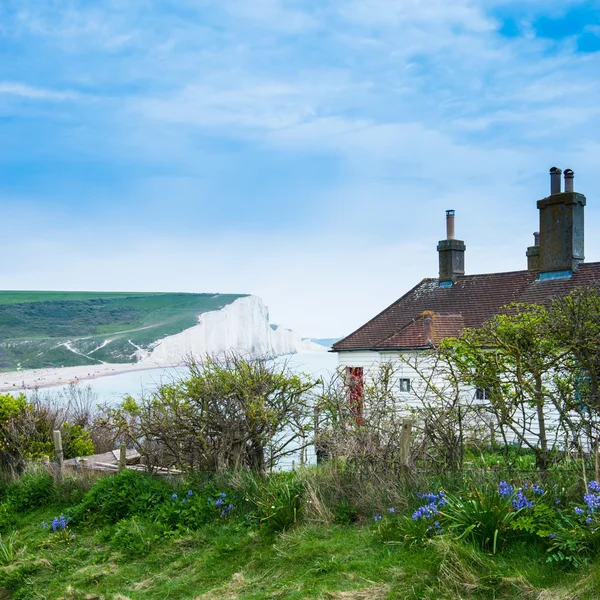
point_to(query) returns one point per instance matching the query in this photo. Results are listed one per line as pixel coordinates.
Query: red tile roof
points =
(470, 302)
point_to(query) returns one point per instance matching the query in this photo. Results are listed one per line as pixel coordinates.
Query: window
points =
(482, 394)
(404, 385)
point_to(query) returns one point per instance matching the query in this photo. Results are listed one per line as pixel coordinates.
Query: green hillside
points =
(51, 329)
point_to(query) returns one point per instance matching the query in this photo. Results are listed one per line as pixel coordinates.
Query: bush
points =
(32, 490)
(189, 510)
(121, 496)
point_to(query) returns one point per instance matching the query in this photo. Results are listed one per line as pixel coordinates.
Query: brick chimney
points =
(561, 241)
(451, 253)
(533, 254)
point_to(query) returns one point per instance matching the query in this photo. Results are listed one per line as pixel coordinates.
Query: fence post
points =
(122, 457)
(405, 443)
(58, 451)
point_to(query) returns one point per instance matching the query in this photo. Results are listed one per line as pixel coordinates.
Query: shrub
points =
(32, 490)
(121, 496)
(190, 510)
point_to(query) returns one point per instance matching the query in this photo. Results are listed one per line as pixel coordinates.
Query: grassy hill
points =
(51, 329)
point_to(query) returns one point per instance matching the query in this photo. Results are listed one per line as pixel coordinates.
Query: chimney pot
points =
(555, 183)
(569, 177)
(536, 238)
(450, 224)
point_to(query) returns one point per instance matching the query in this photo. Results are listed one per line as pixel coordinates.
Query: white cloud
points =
(25, 91)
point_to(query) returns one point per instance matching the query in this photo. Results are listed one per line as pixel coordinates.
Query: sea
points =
(113, 388)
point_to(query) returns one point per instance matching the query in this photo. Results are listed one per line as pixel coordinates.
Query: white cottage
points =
(442, 307)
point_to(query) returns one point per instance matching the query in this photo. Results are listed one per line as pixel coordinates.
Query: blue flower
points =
(174, 497)
(190, 493)
(223, 495)
(537, 489)
(378, 517)
(223, 512)
(59, 523)
(594, 486)
(552, 536)
(589, 520)
(520, 501)
(579, 511)
(505, 489)
(44, 525)
(230, 507)
(392, 510)
(592, 501)
(557, 500)
(219, 502)
(210, 500)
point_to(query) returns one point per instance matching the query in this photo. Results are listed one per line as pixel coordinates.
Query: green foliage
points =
(345, 513)
(11, 406)
(188, 512)
(278, 502)
(481, 515)
(539, 522)
(76, 441)
(8, 549)
(33, 489)
(135, 536)
(120, 496)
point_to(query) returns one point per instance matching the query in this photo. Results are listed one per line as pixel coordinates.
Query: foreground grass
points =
(230, 560)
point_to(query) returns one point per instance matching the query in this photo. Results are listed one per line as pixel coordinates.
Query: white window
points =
(404, 385)
(482, 394)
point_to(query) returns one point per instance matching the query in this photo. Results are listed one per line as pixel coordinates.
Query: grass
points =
(232, 558)
(101, 327)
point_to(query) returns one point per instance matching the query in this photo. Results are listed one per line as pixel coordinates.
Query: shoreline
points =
(32, 379)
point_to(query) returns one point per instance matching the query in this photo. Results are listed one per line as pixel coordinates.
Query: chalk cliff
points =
(242, 326)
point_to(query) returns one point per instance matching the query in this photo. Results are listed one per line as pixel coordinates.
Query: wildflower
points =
(174, 497)
(210, 500)
(223, 495)
(223, 512)
(592, 501)
(505, 489)
(594, 486)
(588, 521)
(520, 501)
(537, 489)
(184, 501)
(557, 501)
(378, 517)
(190, 493)
(552, 536)
(392, 510)
(230, 507)
(219, 502)
(44, 525)
(579, 511)
(59, 523)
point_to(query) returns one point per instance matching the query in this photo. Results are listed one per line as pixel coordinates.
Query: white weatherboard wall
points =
(370, 361)
(242, 326)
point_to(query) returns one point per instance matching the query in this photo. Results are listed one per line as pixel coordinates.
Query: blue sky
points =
(301, 150)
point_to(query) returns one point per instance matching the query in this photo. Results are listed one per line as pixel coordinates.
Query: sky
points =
(301, 150)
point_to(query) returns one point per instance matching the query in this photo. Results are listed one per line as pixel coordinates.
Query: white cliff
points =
(242, 326)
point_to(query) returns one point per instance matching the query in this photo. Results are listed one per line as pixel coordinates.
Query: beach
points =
(43, 378)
